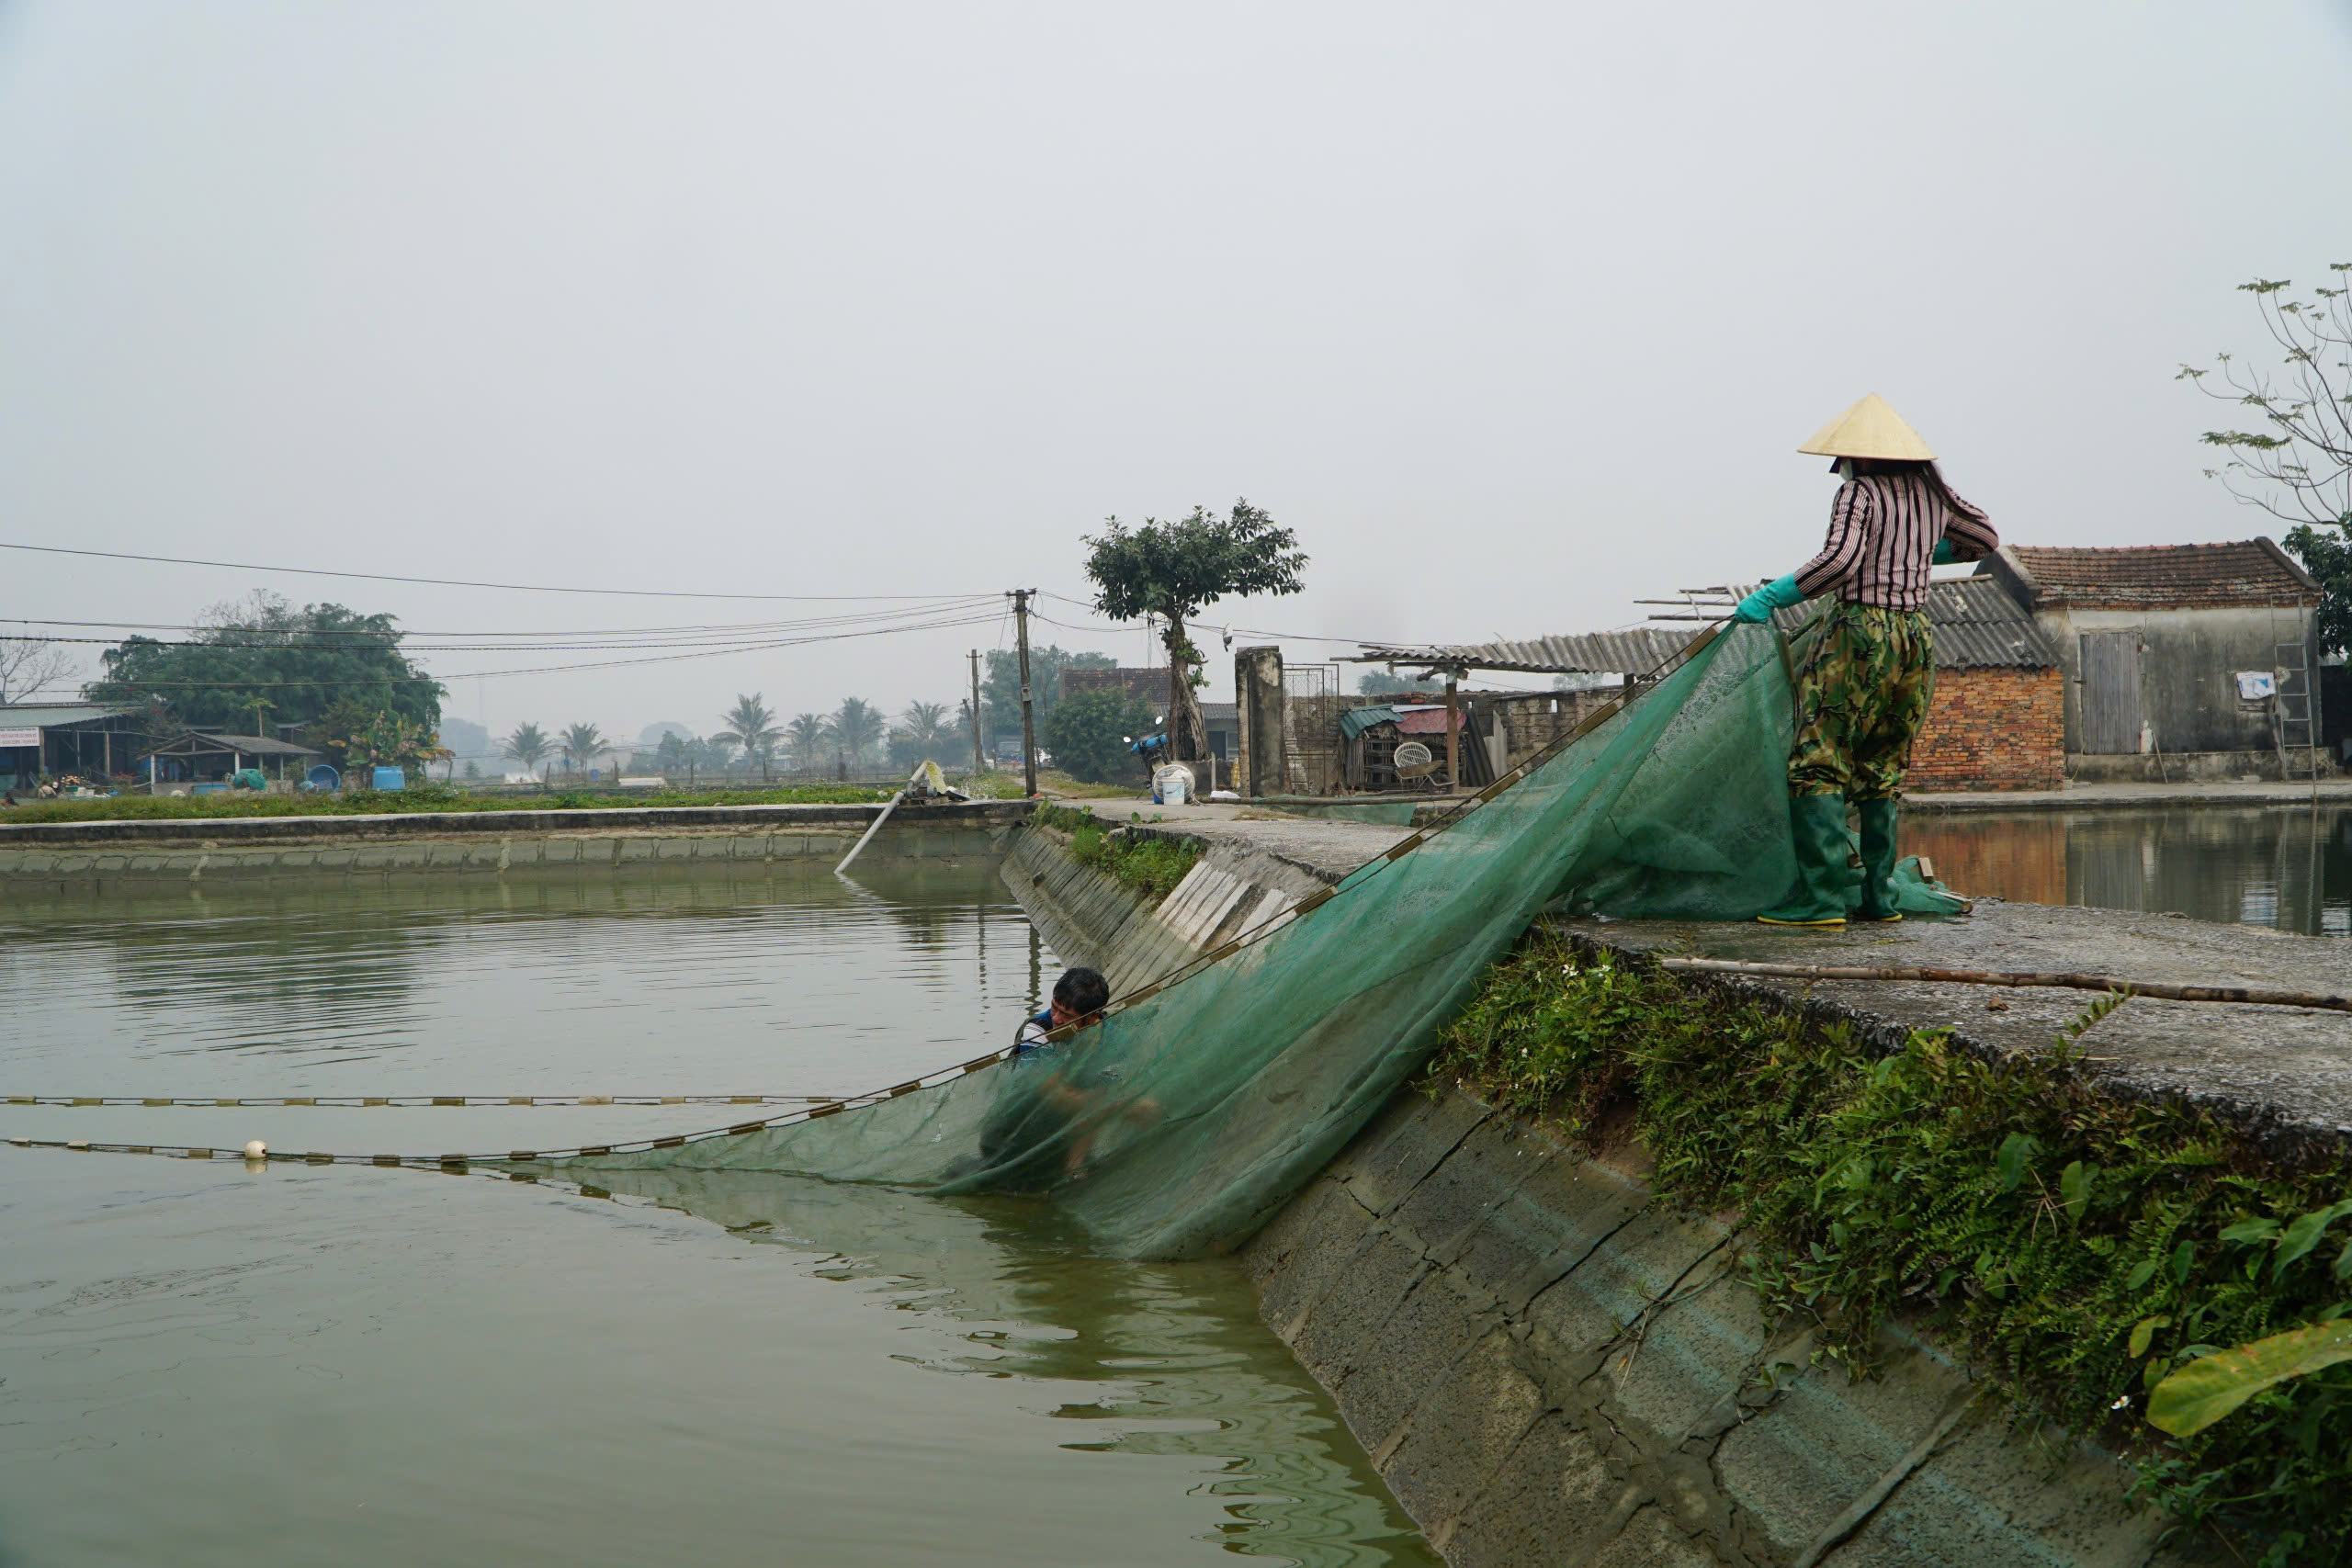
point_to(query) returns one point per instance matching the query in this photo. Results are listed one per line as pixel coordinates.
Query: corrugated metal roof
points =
(51, 715)
(1636, 649)
(1978, 625)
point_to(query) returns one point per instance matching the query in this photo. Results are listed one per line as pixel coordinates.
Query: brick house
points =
(1998, 718)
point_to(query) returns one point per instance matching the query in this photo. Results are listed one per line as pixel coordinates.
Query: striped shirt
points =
(1882, 534)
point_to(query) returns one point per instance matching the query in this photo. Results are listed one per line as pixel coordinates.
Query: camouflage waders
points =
(1861, 699)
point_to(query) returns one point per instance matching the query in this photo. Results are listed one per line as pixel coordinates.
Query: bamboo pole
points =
(2259, 996)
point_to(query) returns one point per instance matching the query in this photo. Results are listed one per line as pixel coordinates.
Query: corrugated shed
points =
(14, 715)
(2243, 571)
(1978, 625)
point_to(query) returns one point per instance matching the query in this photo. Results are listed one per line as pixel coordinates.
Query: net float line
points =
(460, 1162)
(402, 1101)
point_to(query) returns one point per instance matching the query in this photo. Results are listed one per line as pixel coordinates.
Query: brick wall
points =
(1992, 729)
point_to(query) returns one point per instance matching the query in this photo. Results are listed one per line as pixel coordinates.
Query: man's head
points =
(1079, 993)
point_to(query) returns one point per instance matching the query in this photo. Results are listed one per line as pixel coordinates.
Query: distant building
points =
(52, 740)
(2179, 660)
(197, 758)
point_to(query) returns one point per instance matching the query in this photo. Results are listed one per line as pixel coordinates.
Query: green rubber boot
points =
(1878, 861)
(1819, 822)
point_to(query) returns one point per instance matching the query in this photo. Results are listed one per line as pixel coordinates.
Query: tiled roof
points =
(2243, 571)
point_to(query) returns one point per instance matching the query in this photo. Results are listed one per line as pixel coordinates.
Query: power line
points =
(464, 583)
(360, 640)
(550, 669)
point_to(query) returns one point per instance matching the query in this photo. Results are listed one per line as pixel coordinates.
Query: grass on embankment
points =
(1155, 865)
(428, 797)
(2076, 1247)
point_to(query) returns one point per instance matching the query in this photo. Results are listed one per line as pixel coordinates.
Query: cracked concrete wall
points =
(1550, 1365)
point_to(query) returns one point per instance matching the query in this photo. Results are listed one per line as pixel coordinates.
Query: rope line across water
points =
(521, 1157)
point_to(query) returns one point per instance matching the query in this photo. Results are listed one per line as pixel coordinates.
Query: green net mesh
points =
(1181, 1122)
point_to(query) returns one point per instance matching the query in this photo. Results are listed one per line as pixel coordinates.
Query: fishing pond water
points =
(2287, 867)
(213, 1362)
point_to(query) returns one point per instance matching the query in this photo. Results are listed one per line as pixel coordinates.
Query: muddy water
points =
(206, 1364)
(2286, 867)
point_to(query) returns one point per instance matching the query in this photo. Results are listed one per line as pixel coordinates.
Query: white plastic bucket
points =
(1172, 784)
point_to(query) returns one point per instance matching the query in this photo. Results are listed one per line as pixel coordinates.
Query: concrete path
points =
(2283, 1072)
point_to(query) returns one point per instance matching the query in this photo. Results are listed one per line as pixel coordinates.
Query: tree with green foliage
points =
(297, 662)
(858, 727)
(528, 745)
(808, 737)
(1175, 571)
(2297, 463)
(1380, 684)
(581, 742)
(751, 725)
(354, 734)
(1090, 732)
(1001, 687)
(924, 733)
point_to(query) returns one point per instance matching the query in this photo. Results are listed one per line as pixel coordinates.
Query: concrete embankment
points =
(1549, 1363)
(63, 855)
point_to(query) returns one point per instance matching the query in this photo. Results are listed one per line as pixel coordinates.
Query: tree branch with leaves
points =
(2296, 463)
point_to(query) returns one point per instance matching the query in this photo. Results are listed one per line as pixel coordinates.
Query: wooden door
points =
(2110, 699)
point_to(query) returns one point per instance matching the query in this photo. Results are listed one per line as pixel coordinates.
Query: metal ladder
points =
(2295, 707)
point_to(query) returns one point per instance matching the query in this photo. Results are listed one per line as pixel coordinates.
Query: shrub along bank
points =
(1156, 865)
(2073, 1246)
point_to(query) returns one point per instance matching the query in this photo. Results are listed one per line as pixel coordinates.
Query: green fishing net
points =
(1179, 1124)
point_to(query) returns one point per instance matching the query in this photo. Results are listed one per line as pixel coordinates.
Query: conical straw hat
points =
(1869, 429)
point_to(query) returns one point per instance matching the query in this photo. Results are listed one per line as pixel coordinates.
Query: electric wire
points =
(465, 582)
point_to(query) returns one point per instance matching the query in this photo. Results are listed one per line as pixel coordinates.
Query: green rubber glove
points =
(1945, 554)
(1757, 607)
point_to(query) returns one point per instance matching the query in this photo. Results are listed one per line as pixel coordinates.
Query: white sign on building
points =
(31, 737)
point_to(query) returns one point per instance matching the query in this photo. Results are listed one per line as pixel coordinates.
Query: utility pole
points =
(1028, 723)
(979, 760)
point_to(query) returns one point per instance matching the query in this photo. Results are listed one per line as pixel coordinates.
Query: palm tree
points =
(926, 725)
(806, 737)
(526, 745)
(750, 723)
(857, 725)
(581, 742)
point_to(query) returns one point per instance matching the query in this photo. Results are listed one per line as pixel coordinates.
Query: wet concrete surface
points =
(2280, 1072)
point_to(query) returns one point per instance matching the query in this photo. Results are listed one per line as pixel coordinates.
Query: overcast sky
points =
(1516, 313)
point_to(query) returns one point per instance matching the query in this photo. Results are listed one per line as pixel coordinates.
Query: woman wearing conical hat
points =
(1864, 689)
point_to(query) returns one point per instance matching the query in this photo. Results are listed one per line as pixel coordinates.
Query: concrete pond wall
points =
(64, 856)
(1549, 1365)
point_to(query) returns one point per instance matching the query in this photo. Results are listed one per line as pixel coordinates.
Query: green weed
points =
(2077, 1246)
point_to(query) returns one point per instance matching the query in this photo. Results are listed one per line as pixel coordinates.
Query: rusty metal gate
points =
(1311, 714)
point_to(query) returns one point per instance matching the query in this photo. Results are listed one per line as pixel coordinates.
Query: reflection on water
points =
(208, 1364)
(2286, 867)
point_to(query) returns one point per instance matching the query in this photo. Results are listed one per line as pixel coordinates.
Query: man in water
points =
(1047, 1098)
(1865, 686)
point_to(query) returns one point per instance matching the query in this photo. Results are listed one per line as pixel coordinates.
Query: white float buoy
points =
(256, 1149)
